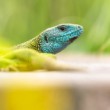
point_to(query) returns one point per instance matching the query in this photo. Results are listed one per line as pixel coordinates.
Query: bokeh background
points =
(21, 20)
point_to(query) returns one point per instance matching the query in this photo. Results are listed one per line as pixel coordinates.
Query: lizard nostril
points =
(79, 27)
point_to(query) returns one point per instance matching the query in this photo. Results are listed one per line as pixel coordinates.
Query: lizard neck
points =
(32, 44)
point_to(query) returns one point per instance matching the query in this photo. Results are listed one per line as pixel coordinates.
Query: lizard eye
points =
(62, 28)
(46, 39)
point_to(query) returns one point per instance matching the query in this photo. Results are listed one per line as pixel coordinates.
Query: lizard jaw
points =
(72, 39)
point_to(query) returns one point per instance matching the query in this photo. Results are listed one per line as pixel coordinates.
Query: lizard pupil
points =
(46, 39)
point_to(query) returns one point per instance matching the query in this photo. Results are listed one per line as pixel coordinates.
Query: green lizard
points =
(38, 53)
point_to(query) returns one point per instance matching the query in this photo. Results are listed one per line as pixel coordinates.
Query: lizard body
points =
(38, 53)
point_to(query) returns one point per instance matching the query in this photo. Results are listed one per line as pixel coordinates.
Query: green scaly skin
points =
(38, 53)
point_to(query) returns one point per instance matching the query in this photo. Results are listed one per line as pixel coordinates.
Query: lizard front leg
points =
(30, 60)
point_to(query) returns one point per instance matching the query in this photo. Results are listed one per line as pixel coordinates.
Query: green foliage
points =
(21, 20)
(4, 43)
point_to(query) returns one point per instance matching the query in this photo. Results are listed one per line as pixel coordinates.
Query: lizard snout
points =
(80, 29)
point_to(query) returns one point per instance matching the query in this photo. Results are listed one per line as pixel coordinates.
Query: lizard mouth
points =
(72, 39)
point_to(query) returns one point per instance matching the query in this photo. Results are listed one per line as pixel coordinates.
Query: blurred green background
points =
(21, 20)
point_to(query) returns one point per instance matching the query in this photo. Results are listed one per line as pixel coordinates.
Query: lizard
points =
(38, 52)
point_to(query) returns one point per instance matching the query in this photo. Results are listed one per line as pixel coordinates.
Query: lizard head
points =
(55, 39)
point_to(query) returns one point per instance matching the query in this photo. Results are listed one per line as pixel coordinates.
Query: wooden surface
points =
(91, 63)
